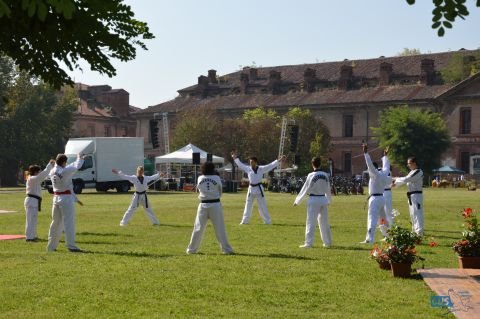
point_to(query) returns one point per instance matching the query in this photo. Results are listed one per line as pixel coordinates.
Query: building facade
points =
(347, 96)
(103, 111)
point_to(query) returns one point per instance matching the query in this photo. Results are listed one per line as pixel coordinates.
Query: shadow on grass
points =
(281, 256)
(176, 225)
(104, 234)
(361, 248)
(131, 254)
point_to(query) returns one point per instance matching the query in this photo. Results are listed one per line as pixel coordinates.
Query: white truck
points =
(101, 155)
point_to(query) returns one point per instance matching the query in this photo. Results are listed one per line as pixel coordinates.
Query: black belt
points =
(210, 201)
(39, 201)
(409, 195)
(259, 185)
(146, 198)
(376, 194)
(317, 195)
(387, 189)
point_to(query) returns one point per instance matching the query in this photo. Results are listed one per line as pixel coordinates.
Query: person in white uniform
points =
(140, 182)
(209, 185)
(63, 206)
(387, 214)
(317, 186)
(414, 181)
(376, 185)
(33, 201)
(255, 174)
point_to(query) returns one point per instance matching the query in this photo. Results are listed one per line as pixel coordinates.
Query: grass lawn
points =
(142, 271)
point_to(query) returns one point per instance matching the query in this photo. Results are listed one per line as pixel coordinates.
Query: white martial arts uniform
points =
(414, 181)
(317, 186)
(255, 190)
(376, 185)
(387, 198)
(63, 207)
(210, 188)
(33, 201)
(139, 198)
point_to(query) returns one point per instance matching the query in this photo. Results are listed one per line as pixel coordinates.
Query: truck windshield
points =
(88, 162)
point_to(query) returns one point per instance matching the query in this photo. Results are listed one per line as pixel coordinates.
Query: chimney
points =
(253, 74)
(345, 80)
(275, 78)
(385, 73)
(202, 85)
(243, 82)
(427, 73)
(212, 76)
(309, 79)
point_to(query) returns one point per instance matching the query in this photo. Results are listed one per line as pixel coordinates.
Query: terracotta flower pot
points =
(401, 269)
(384, 265)
(469, 262)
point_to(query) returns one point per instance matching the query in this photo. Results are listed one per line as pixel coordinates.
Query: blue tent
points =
(448, 170)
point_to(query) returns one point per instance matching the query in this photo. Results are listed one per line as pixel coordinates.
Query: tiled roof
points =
(367, 69)
(83, 109)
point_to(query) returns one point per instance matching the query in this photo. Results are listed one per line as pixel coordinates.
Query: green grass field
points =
(142, 271)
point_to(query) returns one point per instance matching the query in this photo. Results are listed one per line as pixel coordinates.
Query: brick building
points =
(346, 96)
(103, 112)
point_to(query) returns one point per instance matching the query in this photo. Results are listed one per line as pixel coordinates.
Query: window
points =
(465, 162)
(88, 163)
(347, 163)
(107, 131)
(465, 120)
(348, 126)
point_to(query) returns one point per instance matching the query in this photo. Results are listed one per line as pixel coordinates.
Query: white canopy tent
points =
(184, 156)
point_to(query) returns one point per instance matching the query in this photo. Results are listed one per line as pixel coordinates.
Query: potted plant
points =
(468, 247)
(401, 251)
(380, 256)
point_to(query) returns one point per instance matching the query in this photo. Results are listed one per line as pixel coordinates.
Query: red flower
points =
(467, 212)
(432, 244)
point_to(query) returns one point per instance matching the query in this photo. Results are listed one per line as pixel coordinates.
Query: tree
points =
(38, 34)
(34, 123)
(413, 132)
(313, 138)
(461, 66)
(262, 134)
(445, 13)
(409, 52)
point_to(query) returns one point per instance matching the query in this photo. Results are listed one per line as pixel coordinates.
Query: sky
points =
(193, 36)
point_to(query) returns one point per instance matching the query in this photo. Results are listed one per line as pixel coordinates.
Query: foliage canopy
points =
(413, 132)
(38, 34)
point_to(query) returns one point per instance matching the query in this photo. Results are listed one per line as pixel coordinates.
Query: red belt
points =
(67, 192)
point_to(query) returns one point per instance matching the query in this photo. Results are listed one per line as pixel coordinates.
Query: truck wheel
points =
(77, 187)
(123, 187)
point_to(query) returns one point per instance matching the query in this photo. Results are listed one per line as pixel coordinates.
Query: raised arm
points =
(303, 191)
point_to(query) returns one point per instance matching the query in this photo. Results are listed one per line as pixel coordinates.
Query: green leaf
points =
(411, 2)
(32, 8)
(42, 11)
(436, 25)
(4, 9)
(447, 24)
(441, 32)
